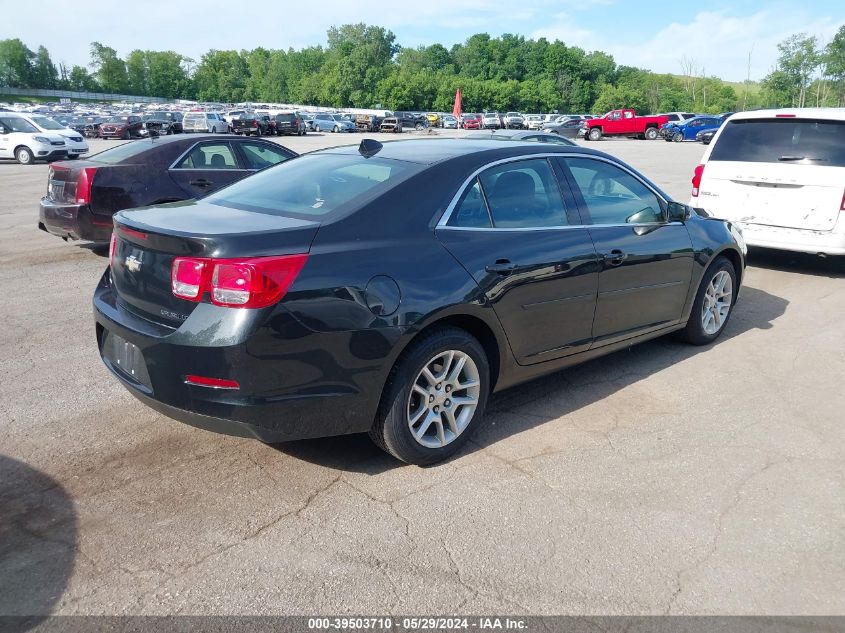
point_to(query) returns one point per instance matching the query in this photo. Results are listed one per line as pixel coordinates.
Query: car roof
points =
(431, 151)
(835, 114)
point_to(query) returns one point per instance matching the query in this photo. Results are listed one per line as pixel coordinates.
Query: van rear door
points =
(780, 171)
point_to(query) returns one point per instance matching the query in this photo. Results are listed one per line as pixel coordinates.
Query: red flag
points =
(456, 109)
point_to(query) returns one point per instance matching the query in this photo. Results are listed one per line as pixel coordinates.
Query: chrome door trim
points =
(442, 223)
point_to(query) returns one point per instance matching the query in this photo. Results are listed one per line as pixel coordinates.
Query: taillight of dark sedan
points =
(390, 289)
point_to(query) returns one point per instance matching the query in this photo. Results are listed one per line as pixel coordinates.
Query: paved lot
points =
(660, 479)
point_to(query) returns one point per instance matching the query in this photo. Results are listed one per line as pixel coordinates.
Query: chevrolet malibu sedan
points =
(390, 289)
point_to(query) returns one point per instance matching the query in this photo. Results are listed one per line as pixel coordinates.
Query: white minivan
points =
(779, 175)
(76, 145)
(21, 140)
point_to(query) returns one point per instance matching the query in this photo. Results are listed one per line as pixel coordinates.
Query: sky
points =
(717, 36)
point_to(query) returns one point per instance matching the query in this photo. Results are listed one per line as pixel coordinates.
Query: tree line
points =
(363, 66)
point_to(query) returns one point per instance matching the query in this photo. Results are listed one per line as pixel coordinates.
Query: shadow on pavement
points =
(38, 541)
(566, 390)
(804, 263)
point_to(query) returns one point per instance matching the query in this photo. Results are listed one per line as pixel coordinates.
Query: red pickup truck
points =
(623, 123)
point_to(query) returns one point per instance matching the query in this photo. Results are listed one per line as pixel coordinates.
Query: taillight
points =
(696, 180)
(842, 204)
(83, 184)
(112, 247)
(255, 282)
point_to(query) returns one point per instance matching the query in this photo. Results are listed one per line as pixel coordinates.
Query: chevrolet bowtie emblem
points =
(133, 264)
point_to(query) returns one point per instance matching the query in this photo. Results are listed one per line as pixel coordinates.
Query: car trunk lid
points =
(150, 238)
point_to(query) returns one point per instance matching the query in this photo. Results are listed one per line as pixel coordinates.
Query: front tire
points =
(336, 129)
(24, 156)
(435, 393)
(713, 303)
(677, 137)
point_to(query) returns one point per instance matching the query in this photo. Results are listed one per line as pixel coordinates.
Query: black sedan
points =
(706, 136)
(390, 289)
(83, 195)
(567, 129)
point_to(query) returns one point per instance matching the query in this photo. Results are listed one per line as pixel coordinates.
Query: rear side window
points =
(785, 140)
(315, 185)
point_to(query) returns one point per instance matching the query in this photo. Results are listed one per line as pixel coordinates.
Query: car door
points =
(646, 262)
(206, 167)
(519, 235)
(5, 139)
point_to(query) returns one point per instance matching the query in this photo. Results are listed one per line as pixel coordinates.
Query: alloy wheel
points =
(717, 302)
(443, 398)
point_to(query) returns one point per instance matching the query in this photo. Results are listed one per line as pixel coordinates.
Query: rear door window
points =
(782, 140)
(209, 156)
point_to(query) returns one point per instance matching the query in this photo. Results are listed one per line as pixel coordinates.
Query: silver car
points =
(325, 122)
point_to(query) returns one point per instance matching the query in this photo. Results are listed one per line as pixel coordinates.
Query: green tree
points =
(834, 54)
(137, 72)
(798, 60)
(15, 63)
(109, 69)
(44, 73)
(81, 79)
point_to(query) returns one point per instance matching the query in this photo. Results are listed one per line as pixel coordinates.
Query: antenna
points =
(369, 147)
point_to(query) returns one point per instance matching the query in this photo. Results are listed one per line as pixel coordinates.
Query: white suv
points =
(21, 140)
(204, 122)
(76, 145)
(779, 175)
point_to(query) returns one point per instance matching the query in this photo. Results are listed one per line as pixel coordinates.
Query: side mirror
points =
(2, 129)
(678, 212)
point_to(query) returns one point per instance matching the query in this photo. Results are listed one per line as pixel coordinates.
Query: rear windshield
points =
(313, 186)
(289, 118)
(121, 152)
(785, 140)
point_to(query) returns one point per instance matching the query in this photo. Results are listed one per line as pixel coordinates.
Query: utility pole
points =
(747, 78)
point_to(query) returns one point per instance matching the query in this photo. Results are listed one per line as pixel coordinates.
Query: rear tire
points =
(594, 134)
(713, 305)
(651, 134)
(409, 402)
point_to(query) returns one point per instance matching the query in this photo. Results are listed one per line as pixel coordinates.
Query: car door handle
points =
(201, 182)
(501, 267)
(615, 257)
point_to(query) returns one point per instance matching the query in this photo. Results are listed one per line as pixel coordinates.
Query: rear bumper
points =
(798, 240)
(302, 384)
(74, 221)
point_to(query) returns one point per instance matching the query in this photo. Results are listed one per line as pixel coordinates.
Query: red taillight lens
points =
(842, 204)
(112, 248)
(187, 277)
(83, 184)
(255, 282)
(785, 116)
(214, 383)
(696, 180)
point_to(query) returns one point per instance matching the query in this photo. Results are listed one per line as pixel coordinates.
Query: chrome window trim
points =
(444, 219)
